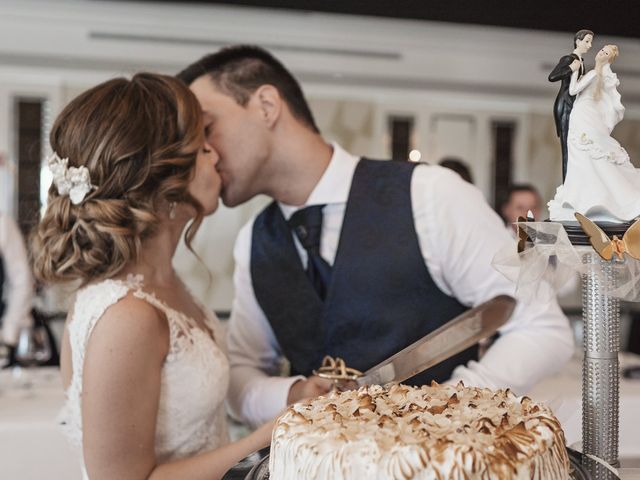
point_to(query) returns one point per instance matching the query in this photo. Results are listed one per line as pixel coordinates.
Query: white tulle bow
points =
(540, 271)
(72, 181)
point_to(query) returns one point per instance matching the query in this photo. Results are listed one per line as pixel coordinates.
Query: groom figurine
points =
(564, 101)
(353, 258)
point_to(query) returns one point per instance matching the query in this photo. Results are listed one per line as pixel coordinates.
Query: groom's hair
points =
(580, 34)
(240, 70)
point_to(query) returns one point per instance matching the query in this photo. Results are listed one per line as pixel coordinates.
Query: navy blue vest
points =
(381, 298)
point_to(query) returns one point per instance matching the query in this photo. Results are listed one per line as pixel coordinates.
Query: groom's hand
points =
(309, 388)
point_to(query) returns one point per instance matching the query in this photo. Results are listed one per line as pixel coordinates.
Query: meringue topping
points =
(399, 432)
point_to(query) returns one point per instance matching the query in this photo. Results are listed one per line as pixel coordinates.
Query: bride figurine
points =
(601, 182)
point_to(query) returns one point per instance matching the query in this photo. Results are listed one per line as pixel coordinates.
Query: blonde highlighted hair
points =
(615, 51)
(139, 139)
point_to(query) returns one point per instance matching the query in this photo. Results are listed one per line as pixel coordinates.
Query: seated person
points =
(521, 199)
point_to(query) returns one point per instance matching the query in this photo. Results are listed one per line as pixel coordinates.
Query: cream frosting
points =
(431, 432)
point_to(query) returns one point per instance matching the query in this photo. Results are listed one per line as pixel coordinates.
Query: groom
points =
(564, 101)
(354, 258)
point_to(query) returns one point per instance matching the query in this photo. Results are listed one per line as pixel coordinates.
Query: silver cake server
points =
(455, 336)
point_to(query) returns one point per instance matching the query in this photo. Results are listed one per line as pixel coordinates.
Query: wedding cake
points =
(431, 432)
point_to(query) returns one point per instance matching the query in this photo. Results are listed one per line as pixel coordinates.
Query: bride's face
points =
(205, 184)
(605, 55)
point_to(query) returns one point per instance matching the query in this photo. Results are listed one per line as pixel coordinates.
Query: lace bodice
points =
(195, 375)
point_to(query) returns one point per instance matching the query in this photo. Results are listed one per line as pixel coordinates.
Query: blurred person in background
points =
(520, 199)
(16, 285)
(458, 166)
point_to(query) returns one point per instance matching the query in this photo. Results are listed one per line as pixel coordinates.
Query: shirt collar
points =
(333, 186)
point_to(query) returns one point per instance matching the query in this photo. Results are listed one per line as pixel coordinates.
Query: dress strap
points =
(90, 304)
(177, 321)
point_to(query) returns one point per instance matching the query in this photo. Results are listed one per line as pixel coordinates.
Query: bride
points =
(601, 182)
(143, 363)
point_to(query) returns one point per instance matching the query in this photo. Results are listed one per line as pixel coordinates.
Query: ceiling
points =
(616, 18)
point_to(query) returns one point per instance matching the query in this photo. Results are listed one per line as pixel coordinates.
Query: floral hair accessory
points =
(72, 181)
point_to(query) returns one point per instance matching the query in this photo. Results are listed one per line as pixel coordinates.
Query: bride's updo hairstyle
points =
(139, 140)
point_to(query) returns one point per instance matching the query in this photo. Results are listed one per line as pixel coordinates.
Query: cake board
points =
(579, 469)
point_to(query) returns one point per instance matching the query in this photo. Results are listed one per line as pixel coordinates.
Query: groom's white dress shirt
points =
(459, 234)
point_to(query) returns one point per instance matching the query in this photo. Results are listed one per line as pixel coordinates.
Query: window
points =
(503, 137)
(401, 129)
(29, 128)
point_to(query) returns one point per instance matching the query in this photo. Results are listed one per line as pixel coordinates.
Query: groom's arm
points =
(562, 69)
(256, 391)
(459, 235)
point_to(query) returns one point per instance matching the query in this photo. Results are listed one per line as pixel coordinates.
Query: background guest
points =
(520, 198)
(458, 166)
(16, 284)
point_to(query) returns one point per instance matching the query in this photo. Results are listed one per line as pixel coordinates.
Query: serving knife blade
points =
(453, 337)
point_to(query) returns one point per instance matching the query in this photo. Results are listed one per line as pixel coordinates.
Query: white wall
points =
(355, 70)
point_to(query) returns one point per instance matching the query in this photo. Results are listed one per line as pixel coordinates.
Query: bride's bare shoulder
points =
(129, 326)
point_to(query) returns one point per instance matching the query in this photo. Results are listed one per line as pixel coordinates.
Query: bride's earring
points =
(172, 210)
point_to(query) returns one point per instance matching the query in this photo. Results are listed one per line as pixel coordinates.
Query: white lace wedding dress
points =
(601, 181)
(195, 375)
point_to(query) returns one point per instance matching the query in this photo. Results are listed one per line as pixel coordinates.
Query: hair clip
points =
(72, 181)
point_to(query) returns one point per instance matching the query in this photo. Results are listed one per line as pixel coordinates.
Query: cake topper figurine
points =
(601, 183)
(563, 71)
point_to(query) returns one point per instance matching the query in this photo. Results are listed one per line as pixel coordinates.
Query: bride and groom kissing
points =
(354, 258)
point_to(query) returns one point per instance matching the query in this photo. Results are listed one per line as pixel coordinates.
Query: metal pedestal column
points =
(600, 371)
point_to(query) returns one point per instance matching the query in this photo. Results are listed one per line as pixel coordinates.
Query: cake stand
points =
(578, 470)
(600, 367)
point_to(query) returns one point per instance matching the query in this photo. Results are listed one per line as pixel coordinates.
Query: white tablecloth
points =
(32, 446)
(563, 393)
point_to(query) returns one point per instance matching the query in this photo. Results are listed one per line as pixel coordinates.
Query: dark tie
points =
(307, 225)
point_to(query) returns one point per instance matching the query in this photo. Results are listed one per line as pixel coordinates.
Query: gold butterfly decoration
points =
(523, 236)
(608, 247)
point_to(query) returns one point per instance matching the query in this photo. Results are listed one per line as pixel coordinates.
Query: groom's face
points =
(584, 45)
(240, 138)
